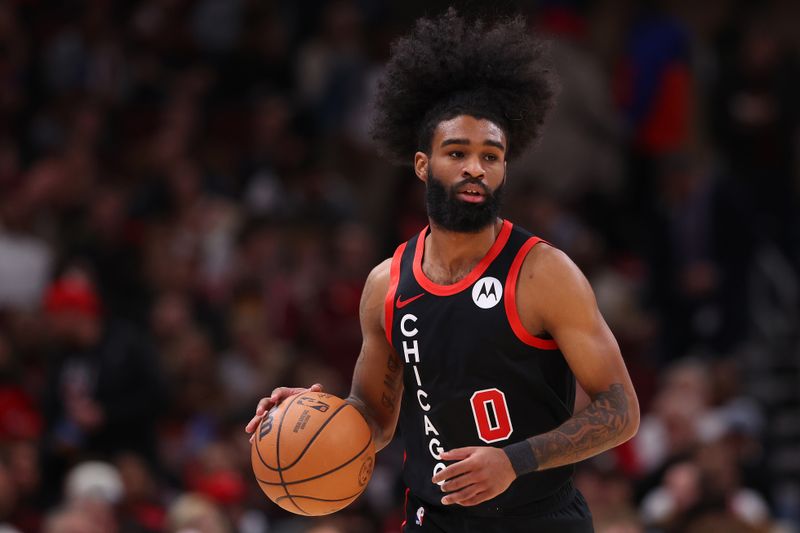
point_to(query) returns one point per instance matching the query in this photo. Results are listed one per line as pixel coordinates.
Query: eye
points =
(491, 157)
(456, 154)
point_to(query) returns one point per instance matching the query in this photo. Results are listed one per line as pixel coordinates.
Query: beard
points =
(447, 211)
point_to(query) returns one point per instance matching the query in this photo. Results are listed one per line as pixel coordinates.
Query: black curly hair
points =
(448, 66)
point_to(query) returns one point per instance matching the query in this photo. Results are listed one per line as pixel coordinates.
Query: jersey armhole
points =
(511, 300)
(394, 279)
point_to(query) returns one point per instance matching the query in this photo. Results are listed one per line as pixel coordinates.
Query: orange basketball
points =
(313, 454)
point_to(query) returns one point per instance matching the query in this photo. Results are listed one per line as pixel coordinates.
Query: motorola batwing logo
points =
(487, 292)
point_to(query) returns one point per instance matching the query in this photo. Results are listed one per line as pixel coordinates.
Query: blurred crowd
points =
(190, 204)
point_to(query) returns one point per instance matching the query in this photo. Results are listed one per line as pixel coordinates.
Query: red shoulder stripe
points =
(511, 301)
(394, 279)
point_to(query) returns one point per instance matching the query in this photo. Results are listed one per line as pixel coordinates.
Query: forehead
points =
(476, 130)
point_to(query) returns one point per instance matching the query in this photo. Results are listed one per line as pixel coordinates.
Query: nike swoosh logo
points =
(402, 303)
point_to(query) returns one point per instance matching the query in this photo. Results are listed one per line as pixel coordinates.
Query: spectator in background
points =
(110, 242)
(700, 249)
(669, 431)
(27, 258)
(20, 463)
(755, 118)
(609, 494)
(700, 447)
(141, 508)
(332, 66)
(8, 497)
(104, 390)
(19, 416)
(653, 86)
(193, 512)
(679, 492)
(256, 360)
(703, 487)
(336, 336)
(71, 520)
(196, 398)
(582, 154)
(92, 490)
(622, 523)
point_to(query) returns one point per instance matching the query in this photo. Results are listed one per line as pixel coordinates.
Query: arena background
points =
(190, 203)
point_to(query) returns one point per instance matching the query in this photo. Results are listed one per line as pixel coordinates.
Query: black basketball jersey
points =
(473, 375)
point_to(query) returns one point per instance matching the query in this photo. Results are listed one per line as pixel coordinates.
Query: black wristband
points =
(521, 456)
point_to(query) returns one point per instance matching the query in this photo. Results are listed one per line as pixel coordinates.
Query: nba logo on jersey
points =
(486, 292)
(420, 516)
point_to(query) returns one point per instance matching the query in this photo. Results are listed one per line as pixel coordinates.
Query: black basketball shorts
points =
(572, 517)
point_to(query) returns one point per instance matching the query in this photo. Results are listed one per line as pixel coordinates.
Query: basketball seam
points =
(356, 456)
(258, 451)
(278, 455)
(321, 499)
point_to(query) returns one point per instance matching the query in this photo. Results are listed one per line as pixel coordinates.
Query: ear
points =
(421, 166)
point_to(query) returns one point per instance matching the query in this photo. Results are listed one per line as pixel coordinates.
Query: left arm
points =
(568, 310)
(554, 296)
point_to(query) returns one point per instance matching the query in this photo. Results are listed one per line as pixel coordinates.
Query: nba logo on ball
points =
(486, 292)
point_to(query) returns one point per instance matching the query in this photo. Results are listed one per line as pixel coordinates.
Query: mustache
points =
(472, 181)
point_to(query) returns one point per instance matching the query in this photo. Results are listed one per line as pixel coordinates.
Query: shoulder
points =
(380, 276)
(552, 288)
(548, 268)
(375, 290)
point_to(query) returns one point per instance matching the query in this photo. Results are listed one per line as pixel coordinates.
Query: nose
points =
(473, 168)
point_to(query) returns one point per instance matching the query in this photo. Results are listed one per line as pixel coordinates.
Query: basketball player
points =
(475, 331)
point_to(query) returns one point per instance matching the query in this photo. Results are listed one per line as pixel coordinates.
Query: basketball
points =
(313, 454)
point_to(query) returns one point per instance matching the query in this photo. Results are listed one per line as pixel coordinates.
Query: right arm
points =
(378, 377)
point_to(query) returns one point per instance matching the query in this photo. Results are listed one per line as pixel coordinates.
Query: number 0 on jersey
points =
(490, 411)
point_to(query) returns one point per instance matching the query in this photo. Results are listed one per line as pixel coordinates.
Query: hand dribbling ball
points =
(313, 454)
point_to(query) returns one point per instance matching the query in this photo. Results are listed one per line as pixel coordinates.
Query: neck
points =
(452, 254)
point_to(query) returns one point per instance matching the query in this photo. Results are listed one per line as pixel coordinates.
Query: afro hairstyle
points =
(448, 66)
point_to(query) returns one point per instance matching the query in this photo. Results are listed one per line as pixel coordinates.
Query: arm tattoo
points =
(391, 382)
(597, 428)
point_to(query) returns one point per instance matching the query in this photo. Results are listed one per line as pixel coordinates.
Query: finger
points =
(457, 454)
(282, 393)
(480, 497)
(452, 471)
(456, 484)
(253, 424)
(265, 404)
(461, 496)
(262, 408)
(278, 395)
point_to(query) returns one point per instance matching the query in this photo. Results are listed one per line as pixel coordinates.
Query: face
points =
(74, 329)
(464, 173)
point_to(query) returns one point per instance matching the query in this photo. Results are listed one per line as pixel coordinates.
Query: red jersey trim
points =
(394, 279)
(405, 506)
(469, 279)
(511, 300)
